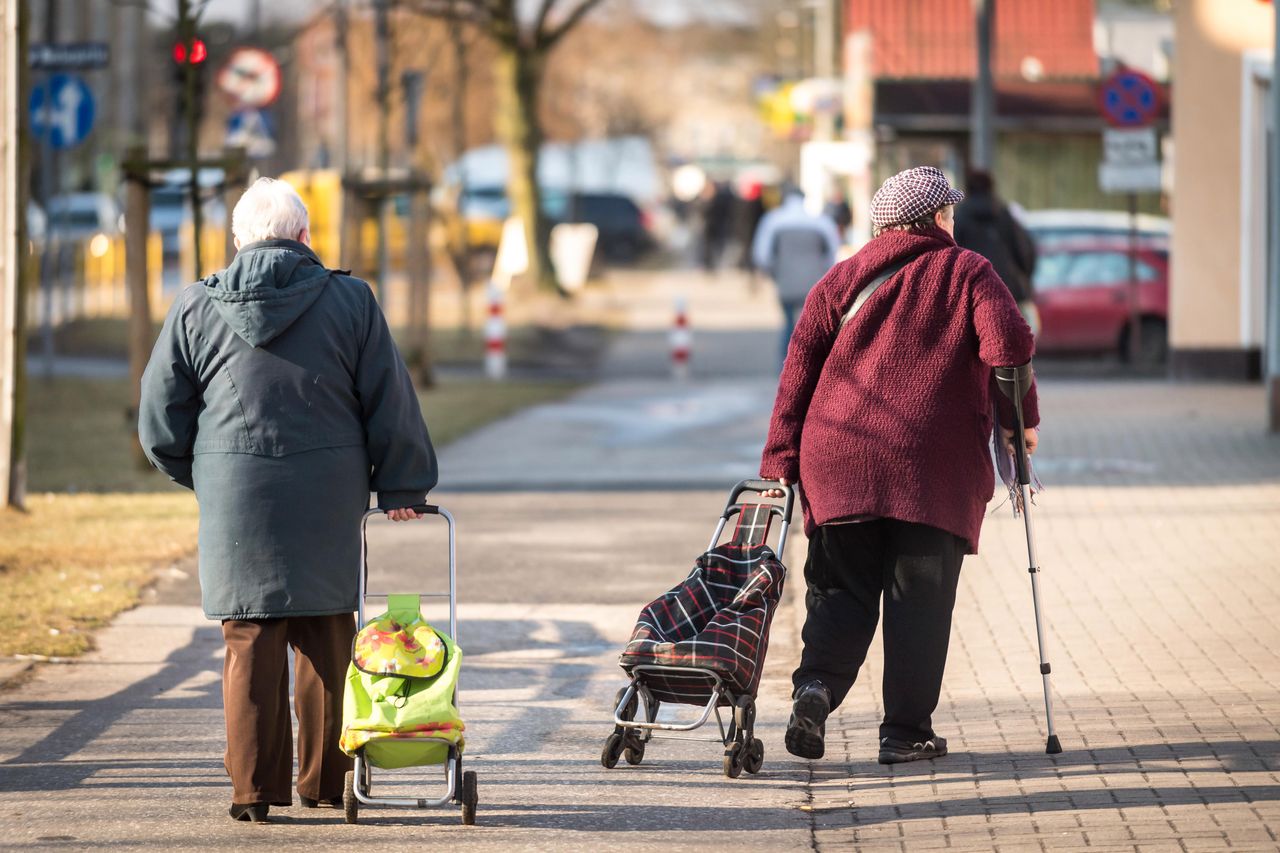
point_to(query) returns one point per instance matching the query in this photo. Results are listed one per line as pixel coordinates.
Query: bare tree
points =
(524, 41)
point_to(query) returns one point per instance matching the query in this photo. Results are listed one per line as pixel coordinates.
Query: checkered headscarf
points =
(911, 195)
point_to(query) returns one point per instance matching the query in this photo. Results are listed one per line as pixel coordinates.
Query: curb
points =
(13, 670)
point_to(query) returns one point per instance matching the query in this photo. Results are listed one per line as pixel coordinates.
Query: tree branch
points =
(546, 41)
(540, 24)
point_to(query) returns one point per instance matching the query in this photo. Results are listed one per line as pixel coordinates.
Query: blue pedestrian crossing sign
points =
(61, 110)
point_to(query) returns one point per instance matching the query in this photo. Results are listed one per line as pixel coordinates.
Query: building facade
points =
(1222, 73)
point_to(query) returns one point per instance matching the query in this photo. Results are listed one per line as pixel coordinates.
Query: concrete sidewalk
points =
(1159, 537)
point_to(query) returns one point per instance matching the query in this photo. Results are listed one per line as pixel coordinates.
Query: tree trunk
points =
(518, 74)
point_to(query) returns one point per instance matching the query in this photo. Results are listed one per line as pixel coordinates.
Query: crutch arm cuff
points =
(1014, 382)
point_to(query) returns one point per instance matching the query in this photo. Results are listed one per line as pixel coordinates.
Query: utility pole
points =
(1273, 241)
(982, 140)
(384, 137)
(13, 251)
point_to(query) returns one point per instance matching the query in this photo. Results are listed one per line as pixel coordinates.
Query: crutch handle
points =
(1014, 383)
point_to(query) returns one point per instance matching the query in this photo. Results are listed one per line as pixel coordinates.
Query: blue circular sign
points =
(61, 110)
(1130, 99)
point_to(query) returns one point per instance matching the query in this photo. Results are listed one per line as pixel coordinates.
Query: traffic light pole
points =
(191, 106)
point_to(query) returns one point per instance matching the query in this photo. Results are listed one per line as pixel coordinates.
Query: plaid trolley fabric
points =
(717, 619)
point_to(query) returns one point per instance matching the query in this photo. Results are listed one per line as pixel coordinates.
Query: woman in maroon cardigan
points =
(883, 416)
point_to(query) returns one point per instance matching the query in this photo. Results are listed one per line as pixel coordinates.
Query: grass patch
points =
(98, 523)
(72, 562)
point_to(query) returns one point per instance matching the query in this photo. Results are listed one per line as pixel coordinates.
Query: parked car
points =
(171, 204)
(77, 217)
(1057, 226)
(1083, 294)
(625, 229)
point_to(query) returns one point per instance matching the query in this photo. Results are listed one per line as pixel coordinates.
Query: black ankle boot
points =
(256, 812)
(332, 802)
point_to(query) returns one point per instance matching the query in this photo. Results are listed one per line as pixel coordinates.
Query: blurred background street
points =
(555, 203)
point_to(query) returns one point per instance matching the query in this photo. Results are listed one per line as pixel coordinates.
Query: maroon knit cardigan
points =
(891, 417)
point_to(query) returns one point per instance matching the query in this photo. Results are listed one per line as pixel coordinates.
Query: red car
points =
(1083, 292)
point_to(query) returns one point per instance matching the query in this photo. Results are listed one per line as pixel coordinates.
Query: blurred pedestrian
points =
(750, 210)
(717, 223)
(838, 211)
(276, 393)
(986, 225)
(883, 416)
(796, 248)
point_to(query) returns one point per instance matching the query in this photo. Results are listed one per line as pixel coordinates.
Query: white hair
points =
(268, 210)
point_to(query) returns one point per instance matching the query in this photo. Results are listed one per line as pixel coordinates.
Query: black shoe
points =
(808, 726)
(895, 751)
(256, 812)
(330, 803)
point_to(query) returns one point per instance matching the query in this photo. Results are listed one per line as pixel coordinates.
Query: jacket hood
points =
(266, 288)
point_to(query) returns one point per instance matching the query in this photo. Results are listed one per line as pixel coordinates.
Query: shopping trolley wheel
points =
(629, 712)
(744, 713)
(470, 797)
(349, 802)
(733, 756)
(634, 751)
(612, 750)
(753, 760)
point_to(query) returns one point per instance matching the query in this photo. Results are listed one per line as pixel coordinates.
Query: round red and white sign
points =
(251, 76)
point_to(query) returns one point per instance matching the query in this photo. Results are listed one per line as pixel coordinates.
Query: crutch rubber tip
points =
(1053, 747)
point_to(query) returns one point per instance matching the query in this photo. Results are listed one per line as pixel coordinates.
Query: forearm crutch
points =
(1014, 382)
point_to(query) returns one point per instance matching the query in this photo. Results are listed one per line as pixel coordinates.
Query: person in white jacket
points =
(796, 248)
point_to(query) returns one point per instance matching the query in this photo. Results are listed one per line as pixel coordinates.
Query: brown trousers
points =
(255, 698)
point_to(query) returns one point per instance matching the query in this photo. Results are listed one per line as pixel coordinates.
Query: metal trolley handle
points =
(732, 507)
(362, 587)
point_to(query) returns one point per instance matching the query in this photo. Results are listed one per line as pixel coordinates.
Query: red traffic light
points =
(198, 53)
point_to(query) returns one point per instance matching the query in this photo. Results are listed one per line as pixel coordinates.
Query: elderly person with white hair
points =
(276, 392)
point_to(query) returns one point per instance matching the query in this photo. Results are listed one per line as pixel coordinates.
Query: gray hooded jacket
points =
(276, 392)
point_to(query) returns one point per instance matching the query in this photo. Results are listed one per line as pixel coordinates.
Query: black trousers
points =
(915, 568)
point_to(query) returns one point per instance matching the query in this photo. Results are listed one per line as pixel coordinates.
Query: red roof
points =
(935, 38)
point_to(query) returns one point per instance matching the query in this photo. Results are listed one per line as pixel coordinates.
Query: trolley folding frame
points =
(460, 787)
(743, 751)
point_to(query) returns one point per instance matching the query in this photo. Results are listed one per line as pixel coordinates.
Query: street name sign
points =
(72, 56)
(61, 111)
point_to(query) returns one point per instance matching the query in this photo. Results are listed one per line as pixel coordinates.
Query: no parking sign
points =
(1130, 99)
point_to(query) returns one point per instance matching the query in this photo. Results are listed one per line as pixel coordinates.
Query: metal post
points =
(48, 171)
(982, 104)
(384, 139)
(137, 212)
(187, 33)
(1135, 313)
(1273, 241)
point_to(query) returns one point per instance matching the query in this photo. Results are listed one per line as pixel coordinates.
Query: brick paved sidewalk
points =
(1160, 542)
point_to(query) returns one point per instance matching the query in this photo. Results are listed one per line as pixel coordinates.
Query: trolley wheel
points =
(350, 804)
(733, 760)
(612, 750)
(629, 712)
(753, 760)
(634, 751)
(470, 797)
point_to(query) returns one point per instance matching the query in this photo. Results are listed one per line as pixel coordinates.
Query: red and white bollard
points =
(681, 341)
(495, 336)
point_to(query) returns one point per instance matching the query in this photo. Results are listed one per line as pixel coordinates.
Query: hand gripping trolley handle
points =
(460, 786)
(743, 750)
